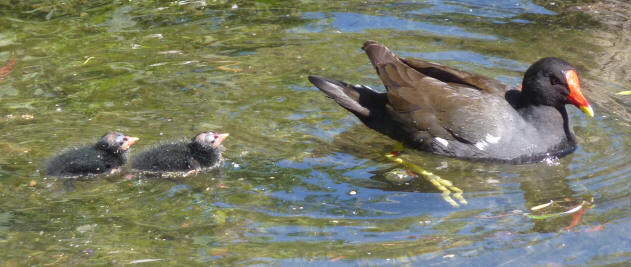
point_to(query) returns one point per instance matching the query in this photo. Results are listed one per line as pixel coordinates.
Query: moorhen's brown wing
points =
(449, 75)
(429, 100)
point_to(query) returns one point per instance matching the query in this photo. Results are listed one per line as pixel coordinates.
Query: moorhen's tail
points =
(393, 72)
(361, 100)
(379, 54)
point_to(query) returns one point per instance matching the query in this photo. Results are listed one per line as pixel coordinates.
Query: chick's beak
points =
(130, 141)
(576, 95)
(219, 138)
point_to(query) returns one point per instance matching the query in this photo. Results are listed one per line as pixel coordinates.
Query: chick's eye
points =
(554, 80)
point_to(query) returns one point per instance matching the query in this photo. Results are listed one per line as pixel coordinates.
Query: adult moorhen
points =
(202, 152)
(109, 153)
(458, 114)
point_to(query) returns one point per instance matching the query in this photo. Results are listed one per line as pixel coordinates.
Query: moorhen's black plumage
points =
(109, 153)
(202, 152)
(458, 114)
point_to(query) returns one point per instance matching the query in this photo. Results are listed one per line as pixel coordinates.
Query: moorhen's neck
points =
(532, 94)
(542, 114)
(566, 125)
(525, 100)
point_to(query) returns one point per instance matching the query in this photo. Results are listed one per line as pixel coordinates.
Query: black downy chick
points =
(107, 155)
(203, 152)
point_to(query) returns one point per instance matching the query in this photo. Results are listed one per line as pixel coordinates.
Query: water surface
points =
(304, 180)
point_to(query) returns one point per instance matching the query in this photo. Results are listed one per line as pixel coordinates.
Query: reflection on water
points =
(359, 23)
(483, 8)
(304, 182)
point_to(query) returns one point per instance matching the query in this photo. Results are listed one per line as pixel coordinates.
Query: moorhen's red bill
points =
(458, 114)
(109, 153)
(202, 152)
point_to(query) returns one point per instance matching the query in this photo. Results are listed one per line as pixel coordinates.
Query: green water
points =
(304, 180)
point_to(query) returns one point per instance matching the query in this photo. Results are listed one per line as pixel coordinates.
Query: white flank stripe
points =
(441, 141)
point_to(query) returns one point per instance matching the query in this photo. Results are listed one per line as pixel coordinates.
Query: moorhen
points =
(453, 113)
(107, 155)
(203, 152)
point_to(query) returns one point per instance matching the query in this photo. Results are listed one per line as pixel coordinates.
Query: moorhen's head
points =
(115, 142)
(554, 82)
(208, 141)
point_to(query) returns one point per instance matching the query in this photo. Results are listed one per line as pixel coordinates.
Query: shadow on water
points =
(304, 182)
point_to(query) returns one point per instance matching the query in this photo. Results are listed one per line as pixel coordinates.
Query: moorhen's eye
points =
(210, 138)
(121, 139)
(554, 80)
